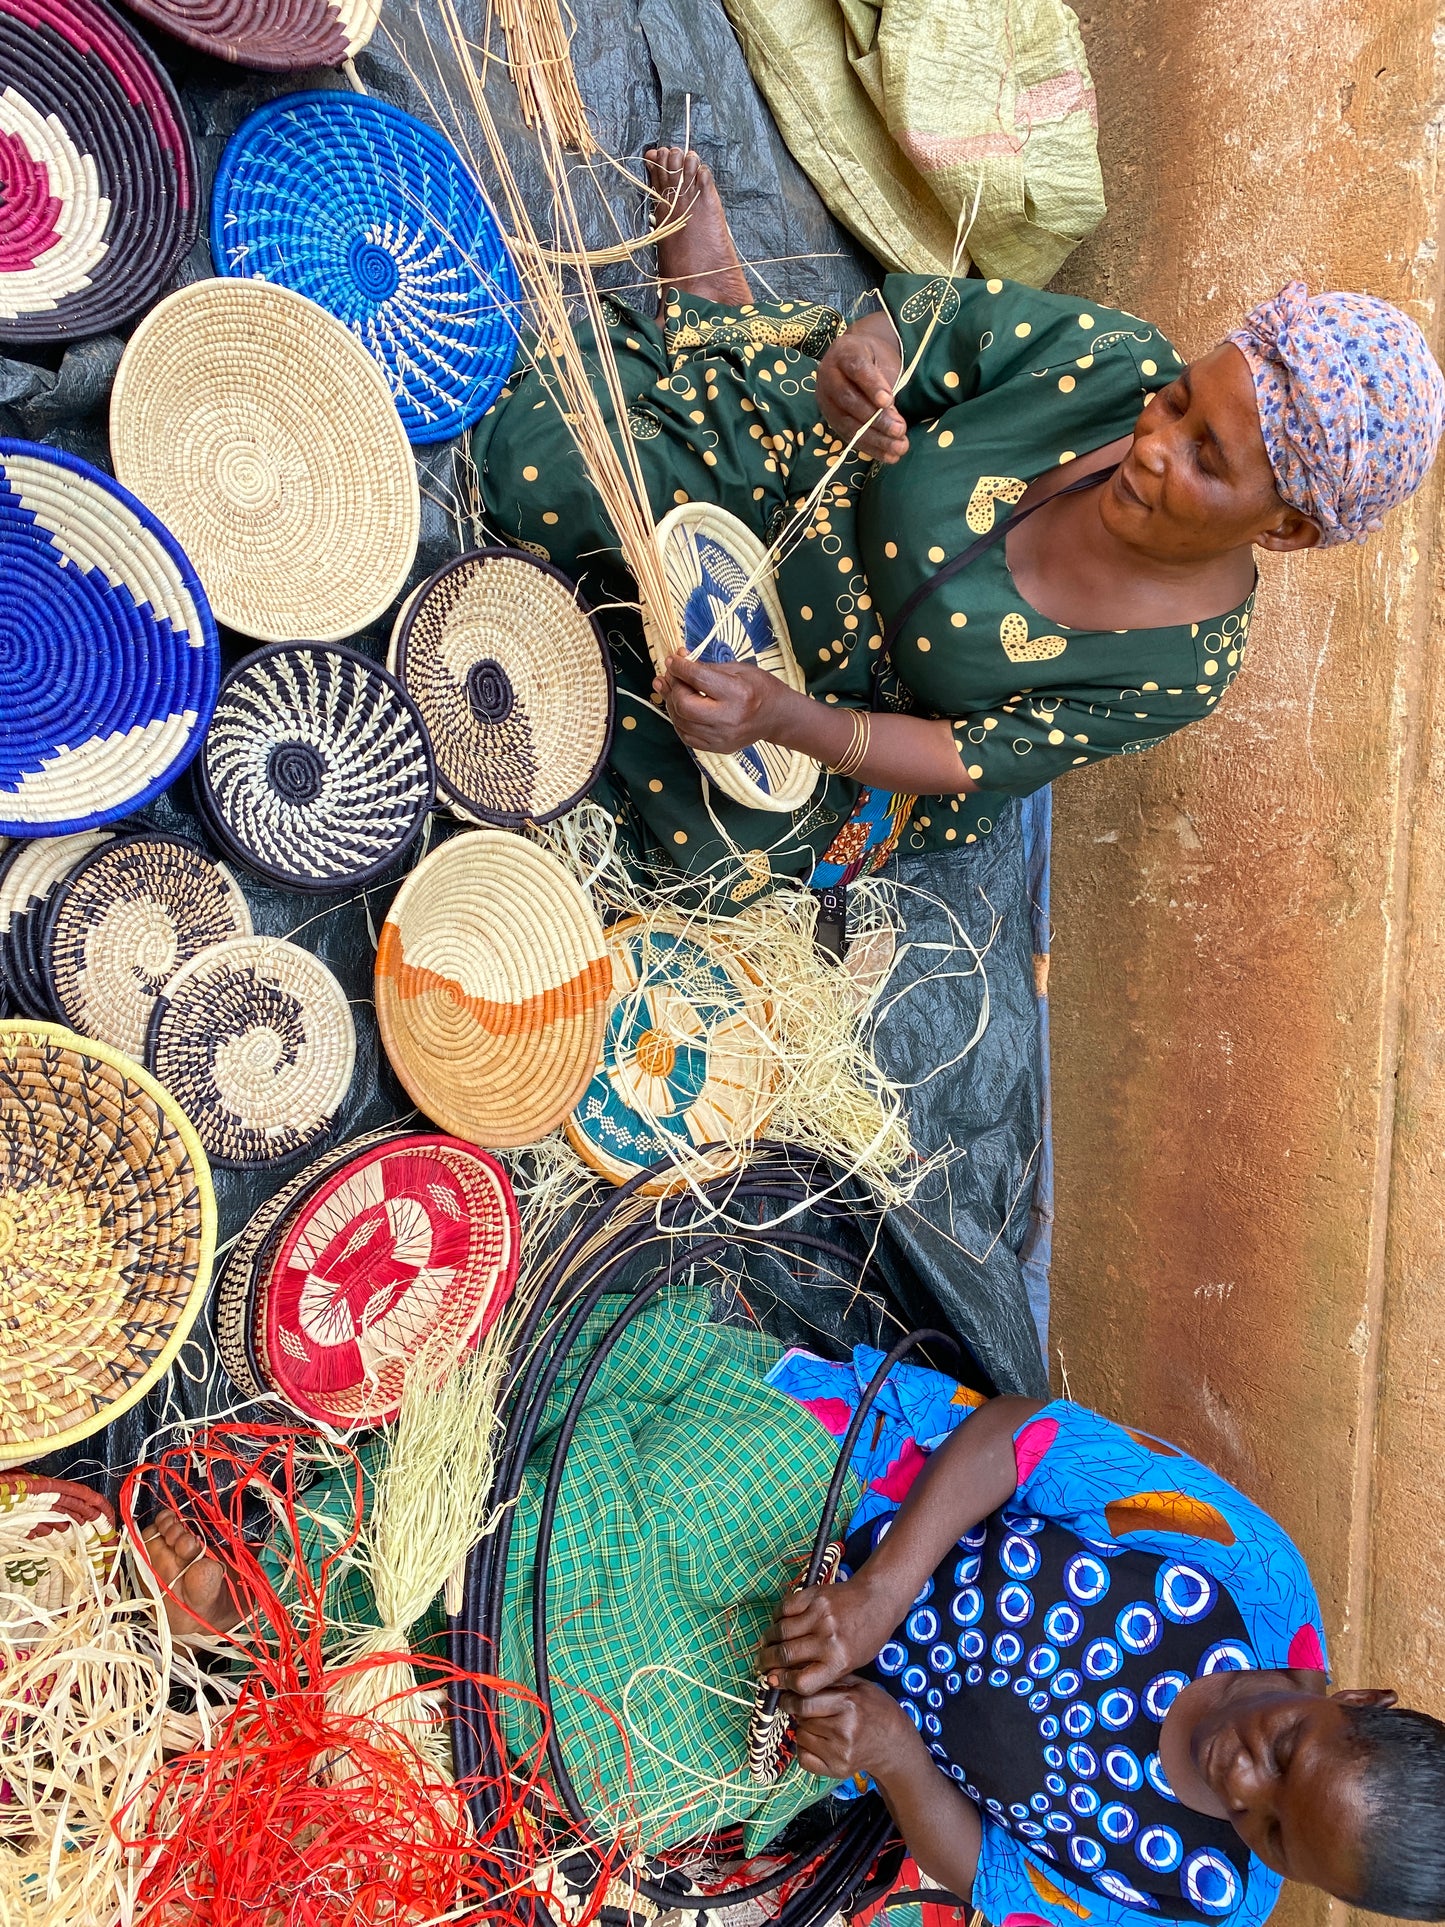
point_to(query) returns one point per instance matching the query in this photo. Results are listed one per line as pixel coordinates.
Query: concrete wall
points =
(1248, 983)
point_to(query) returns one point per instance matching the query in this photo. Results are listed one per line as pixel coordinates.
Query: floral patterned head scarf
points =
(1351, 402)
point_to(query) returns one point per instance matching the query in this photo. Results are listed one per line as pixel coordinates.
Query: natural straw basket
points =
(372, 214)
(110, 652)
(254, 1036)
(106, 1236)
(263, 432)
(709, 557)
(123, 923)
(30, 873)
(492, 987)
(410, 1247)
(316, 771)
(100, 201)
(277, 36)
(511, 672)
(686, 1060)
(33, 1583)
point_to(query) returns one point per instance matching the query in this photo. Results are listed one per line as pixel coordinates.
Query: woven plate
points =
(316, 771)
(264, 434)
(410, 1246)
(123, 922)
(30, 873)
(32, 1510)
(276, 36)
(97, 171)
(685, 1060)
(492, 985)
(106, 1236)
(372, 215)
(511, 671)
(708, 557)
(254, 1036)
(108, 654)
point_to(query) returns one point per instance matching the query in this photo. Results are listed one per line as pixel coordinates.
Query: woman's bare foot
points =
(701, 259)
(198, 1594)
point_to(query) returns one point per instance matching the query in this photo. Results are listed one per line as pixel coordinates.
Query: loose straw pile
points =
(539, 55)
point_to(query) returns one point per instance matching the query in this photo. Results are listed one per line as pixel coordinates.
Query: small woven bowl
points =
(492, 988)
(512, 674)
(264, 434)
(30, 874)
(372, 214)
(123, 922)
(254, 1038)
(274, 36)
(33, 1583)
(107, 1233)
(317, 771)
(409, 1248)
(685, 1060)
(710, 558)
(100, 171)
(110, 653)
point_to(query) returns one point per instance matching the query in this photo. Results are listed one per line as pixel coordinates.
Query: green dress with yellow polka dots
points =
(1005, 383)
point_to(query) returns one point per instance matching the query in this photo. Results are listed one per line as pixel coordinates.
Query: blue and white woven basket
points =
(374, 216)
(108, 653)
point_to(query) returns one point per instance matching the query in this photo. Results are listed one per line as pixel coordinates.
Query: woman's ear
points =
(1366, 1696)
(1290, 530)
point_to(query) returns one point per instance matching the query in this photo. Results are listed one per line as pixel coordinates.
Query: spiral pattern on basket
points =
(316, 770)
(108, 654)
(276, 36)
(255, 1039)
(372, 214)
(97, 171)
(125, 920)
(30, 873)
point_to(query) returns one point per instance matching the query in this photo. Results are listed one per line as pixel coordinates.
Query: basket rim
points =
(401, 637)
(24, 1029)
(210, 810)
(180, 27)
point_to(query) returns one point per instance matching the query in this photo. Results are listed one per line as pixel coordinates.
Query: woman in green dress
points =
(1125, 493)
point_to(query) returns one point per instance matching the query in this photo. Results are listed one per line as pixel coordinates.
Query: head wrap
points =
(1351, 402)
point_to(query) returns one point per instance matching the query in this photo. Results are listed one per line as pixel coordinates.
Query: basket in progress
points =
(110, 653)
(722, 588)
(98, 207)
(276, 36)
(686, 1059)
(316, 771)
(511, 673)
(106, 1236)
(371, 214)
(492, 987)
(123, 922)
(260, 430)
(34, 1510)
(255, 1039)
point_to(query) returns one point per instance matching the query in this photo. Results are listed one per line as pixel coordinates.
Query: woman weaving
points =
(1109, 497)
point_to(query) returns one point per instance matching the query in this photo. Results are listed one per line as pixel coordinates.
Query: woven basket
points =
(408, 1248)
(511, 671)
(30, 873)
(492, 987)
(34, 1509)
(123, 923)
(686, 1058)
(372, 215)
(258, 426)
(709, 558)
(276, 36)
(316, 771)
(254, 1037)
(100, 202)
(111, 655)
(106, 1236)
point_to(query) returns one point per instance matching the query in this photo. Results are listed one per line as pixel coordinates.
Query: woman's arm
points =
(828, 1631)
(857, 1728)
(726, 706)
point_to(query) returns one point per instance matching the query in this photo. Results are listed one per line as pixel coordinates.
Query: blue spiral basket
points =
(374, 216)
(108, 654)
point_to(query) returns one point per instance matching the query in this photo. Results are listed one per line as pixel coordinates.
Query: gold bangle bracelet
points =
(857, 752)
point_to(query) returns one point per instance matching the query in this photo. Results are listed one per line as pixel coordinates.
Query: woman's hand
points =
(854, 1728)
(723, 706)
(822, 1634)
(856, 380)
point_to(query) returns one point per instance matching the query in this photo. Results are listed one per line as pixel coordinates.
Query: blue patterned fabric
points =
(372, 215)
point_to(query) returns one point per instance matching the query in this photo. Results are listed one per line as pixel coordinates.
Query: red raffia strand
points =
(298, 1815)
